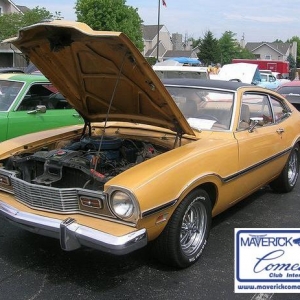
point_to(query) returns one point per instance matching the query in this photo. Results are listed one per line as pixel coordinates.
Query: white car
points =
(180, 71)
(277, 75)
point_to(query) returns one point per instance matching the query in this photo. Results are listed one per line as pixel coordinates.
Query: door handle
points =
(280, 130)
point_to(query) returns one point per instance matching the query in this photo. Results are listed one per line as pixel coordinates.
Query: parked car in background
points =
(155, 159)
(180, 71)
(268, 81)
(291, 91)
(30, 103)
(277, 75)
(239, 72)
(11, 70)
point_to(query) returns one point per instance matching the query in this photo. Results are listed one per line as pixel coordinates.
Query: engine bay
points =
(88, 162)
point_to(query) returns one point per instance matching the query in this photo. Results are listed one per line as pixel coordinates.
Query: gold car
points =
(154, 161)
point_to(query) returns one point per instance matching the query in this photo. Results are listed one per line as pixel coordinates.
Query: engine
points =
(87, 163)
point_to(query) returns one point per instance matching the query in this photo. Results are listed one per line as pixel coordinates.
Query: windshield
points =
(204, 109)
(8, 93)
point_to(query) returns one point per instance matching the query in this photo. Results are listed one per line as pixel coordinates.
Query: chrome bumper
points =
(73, 235)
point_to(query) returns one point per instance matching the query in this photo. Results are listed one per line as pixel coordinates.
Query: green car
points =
(30, 103)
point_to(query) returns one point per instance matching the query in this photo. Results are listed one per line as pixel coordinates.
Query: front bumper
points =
(73, 235)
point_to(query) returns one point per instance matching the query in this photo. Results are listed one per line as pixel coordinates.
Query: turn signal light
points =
(90, 202)
(4, 180)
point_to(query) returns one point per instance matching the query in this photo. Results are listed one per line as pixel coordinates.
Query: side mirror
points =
(257, 121)
(38, 109)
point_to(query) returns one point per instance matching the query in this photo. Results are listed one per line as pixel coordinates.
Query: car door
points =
(42, 107)
(273, 82)
(3, 125)
(263, 149)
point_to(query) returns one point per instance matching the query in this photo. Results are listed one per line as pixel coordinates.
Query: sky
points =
(255, 20)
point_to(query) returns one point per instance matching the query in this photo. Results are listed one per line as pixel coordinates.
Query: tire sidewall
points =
(190, 200)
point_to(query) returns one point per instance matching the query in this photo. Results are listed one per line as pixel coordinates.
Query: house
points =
(151, 35)
(10, 56)
(169, 46)
(273, 51)
(8, 7)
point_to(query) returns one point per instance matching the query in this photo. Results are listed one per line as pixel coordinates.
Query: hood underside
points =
(101, 73)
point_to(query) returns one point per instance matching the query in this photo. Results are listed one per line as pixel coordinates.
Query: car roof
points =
(11, 70)
(217, 84)
(179, 68)
(291, 83)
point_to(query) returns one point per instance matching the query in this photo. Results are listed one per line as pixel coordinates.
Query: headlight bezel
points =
(128, 211)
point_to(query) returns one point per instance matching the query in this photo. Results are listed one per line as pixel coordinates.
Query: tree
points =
(229, 47)
(111, 15)
(244, 53)
(208, 49)
(296, 39)
(11, 23)
(291, 61)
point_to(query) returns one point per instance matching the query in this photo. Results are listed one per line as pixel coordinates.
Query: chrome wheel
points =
(193, 227)
(183, 239)
(288, 177)
(293, 168)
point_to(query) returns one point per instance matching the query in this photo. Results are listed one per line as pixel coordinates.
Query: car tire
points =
(184, 237)
(289, 175)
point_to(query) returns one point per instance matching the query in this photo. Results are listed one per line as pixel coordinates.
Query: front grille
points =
(44, 197)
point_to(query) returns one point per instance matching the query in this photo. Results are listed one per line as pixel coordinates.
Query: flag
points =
(164, 3)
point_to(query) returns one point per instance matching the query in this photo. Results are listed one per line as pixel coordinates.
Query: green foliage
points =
(212, 51)
(111, 15)
(296, 39)
(244, 53)
(208, 49)
(229, 47)
(291, 61)
(11, 23)
(151, 60)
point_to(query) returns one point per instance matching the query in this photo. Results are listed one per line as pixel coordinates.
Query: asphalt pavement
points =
(33, 267)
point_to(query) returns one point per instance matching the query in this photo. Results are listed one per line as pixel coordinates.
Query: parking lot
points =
(34, 267)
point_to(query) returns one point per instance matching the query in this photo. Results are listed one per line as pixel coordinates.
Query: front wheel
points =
(289, 175)
(184, 238)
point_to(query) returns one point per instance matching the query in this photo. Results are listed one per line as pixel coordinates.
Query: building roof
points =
(150, 31)
(22, 8)
(19, 8)
(281, 48)
(179, 53)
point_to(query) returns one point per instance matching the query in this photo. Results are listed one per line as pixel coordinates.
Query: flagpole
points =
(158, 20)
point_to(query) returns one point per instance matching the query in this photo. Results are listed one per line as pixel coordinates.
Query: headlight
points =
(124, 205)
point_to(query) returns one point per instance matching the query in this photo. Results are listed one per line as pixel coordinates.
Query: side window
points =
(255, 106)
(43, 94)
(280, 110)
(263, 77)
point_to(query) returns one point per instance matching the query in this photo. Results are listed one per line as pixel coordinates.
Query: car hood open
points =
(101, 73)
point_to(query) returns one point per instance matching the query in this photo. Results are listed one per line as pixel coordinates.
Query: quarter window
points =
(280, 110)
